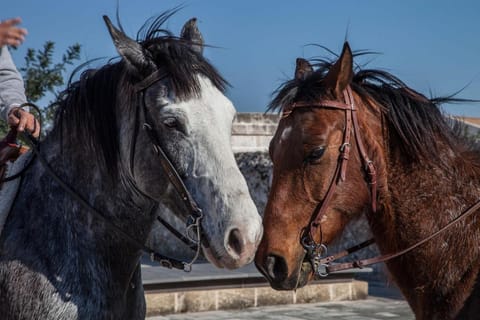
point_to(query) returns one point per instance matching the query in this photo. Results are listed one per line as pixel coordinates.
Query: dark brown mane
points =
(412, 117)
(412, 174)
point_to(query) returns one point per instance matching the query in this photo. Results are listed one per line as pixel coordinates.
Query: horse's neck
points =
(48, 225)
(422, 197)
(421, 200)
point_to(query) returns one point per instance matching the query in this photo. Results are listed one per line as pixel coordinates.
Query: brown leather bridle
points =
(322, 265)
(314, 249)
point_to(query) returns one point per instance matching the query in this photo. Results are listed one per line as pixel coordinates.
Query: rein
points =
(322, 265)
(193, 220)
(386, 257)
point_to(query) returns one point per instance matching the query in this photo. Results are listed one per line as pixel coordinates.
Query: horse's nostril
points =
(235, 242)
(276, 268)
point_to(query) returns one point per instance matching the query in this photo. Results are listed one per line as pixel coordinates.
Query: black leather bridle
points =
(194, 216)
(194, 213)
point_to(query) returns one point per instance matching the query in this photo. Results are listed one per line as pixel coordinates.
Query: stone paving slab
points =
(370, 309)
(173, 292)
(198, 300)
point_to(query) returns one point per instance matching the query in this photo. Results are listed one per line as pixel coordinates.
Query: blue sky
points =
(434, 46)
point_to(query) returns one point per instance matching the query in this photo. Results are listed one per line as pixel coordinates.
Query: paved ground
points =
(370, 309)
(385, 301)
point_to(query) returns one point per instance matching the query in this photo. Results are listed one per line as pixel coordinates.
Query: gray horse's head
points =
(192, 119)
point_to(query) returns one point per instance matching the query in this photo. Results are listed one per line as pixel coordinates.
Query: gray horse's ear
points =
(191, 34)
(341, 73)
(303, 69)
(130, 50)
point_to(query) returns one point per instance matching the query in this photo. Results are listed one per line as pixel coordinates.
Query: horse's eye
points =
(162, 102)
(170, 122)
(315, 155)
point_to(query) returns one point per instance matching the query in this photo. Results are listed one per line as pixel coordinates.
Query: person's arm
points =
(12, 91)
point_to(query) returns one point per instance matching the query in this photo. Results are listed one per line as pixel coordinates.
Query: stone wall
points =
(159, 303)
(252, 132)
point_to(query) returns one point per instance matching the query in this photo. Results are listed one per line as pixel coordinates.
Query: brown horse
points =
(361, 142)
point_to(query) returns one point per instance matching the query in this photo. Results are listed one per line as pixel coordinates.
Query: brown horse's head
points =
(305, 152)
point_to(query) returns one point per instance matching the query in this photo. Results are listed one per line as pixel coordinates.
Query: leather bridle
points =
(194, 215)
(314, 250)
(322, 265)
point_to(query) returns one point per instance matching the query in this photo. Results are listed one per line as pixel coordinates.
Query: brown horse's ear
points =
(341, 73)
(303, 69)
(191, 34)
(130, 50)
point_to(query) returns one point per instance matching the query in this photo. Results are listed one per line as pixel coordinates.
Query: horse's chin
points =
(221, 261)
(209, 255)
(305, 274)
(297, 279)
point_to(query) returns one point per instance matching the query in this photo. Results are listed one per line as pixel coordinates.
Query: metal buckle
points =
(187, 267)
(343, 146)
(322, 270)
(166, 263)
(315, 252)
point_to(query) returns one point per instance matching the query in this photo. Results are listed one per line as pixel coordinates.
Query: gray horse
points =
(60, 261)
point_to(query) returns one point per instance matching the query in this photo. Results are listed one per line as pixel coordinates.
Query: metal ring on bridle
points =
(343, 146)
(322, 270)
(323, 248)
(306, 243)
(194, 224)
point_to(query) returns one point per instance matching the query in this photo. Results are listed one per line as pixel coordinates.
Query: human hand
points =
(24, 120)
(10, 34)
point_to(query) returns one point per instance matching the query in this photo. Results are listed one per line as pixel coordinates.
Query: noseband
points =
(316, 250)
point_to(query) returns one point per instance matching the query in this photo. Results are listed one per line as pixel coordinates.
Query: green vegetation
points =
(42, 75)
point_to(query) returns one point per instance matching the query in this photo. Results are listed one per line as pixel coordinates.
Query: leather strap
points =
(165, 162)
(163, 260)
(177, 234)
(151, 79)
(383, 258)
(347, 252)
(169, 169)
(368, 164)
(339, 175)
(314, 249)
(351, 124)
(196, 212)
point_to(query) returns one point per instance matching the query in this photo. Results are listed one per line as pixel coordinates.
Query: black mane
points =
(176, 57)
(87, 109)
(416, 120)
